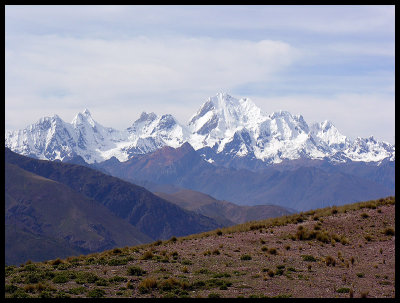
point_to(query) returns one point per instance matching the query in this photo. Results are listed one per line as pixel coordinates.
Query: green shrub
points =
(135, 271)
(90, 261)
(116, 262)
(389, 231)
(63, 266)
(364, 215)
(221, 275)
(117, 279)
(96, 293)
(10, 288)
(186, 262)
(30, 278)
(31, 267)
(368, 237)
(62, 294)
(343, 290)
(77, 290)
(173, 284)
(147, 284)
(330, 261)
(56, 262)
(101, 282)
(309, 258)
(46, 294)
(29, 288)
(9, 270)
(272, 251)
(245, 257)
(116, 251)
(214, 295)
(147, 255)
(83, 277)
(60, 278)
(202, 271)
(157, 243)
(344, 240)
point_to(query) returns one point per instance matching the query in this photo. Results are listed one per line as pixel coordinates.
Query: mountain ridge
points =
(224, 130)
(300, 187)
(153, 216)
(55, 221)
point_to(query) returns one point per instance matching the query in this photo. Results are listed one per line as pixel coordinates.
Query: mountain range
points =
(229, 149)
(224, 131)
(55, 209)
(301, 187)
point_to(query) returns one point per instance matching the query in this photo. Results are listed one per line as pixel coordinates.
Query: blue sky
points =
(324, 62)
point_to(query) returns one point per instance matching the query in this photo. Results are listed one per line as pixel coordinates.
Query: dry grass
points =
(246, 260)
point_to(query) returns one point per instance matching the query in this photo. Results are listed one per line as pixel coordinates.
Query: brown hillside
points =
(346, 251)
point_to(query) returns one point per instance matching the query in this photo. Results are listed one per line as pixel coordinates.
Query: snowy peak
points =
(224, 129)
(327, 134)
(220, 117)
(83, 118)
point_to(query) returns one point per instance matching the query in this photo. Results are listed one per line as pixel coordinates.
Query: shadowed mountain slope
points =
(46, 219)
(301, 188)
(152, 215)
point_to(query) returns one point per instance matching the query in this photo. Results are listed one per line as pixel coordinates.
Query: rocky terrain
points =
(346, 251)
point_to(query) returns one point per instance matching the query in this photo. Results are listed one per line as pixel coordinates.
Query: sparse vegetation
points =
(236, 260)
(309, 258)
(245, 257)
(147, 285)
(389, 231)
(330, 261)
(136, 271)
(273, 251)
(343, 290)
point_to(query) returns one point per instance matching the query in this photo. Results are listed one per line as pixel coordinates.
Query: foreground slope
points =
(346, 251)
(45, 219)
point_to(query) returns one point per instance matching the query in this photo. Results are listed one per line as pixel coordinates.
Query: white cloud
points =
(121, 60)
(95, 72)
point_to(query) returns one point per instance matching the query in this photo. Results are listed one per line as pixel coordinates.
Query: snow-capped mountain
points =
(239, 129)
(51, 138)
(223, 128)
(151, 132)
